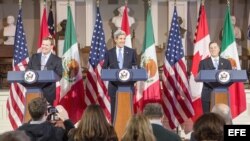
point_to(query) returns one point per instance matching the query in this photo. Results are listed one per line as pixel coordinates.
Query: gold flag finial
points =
(228, 3)
(20, 4)
(203, 2)
(97, 3)
(126, 2)
(149, 3)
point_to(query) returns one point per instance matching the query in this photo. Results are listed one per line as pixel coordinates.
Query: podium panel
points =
(33, 90)
(219, 96)
(124, 95)
(123, 111)
(220, 81)
(29, 97)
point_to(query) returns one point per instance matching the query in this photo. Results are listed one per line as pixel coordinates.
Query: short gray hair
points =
(118, 33)
(224, 111)
(153, 110)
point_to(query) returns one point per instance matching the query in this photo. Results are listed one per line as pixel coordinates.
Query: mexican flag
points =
(229, 51)
(125, 27)
(149, 90)
(72, 90)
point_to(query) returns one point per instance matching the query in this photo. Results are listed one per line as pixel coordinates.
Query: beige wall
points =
(215, 15)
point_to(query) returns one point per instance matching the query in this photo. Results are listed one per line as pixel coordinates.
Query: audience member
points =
(209, 126)
(14, 136)
(41, 129)
(138, 129)
(224, 111)
(93, 126)
(154, 113)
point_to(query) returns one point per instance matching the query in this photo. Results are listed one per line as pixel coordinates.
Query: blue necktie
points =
(216, 63)
(120, 58)
(43, 62)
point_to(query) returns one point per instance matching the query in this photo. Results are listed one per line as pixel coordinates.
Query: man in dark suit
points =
(118, 57)
(46, 60)
(154, 113)
(215, 62)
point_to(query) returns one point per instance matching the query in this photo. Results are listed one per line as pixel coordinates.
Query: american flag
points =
(96, 90)
(177, 103)
(16, 100)
(51, 25)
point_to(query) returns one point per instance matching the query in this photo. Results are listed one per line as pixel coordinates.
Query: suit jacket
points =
(54, 63)
(207, 64)
(111, 62)
(162, 134)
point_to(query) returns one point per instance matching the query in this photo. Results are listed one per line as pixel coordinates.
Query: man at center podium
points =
(118, 57)
(46, 60)
(214, 62)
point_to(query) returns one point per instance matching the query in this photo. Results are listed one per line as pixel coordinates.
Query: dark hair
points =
(49, 38)
(212, 43)
(153, 110)
(14, 136)
(37, 108)
(93, 126)
(209, 126)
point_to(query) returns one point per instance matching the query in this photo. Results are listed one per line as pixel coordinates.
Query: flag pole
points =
(228, 3)
(203, 2)
(178, 126)
(126, 2)
(98, 3)
(149, 3)
(50, 5)
(20, 4)
(44, 2)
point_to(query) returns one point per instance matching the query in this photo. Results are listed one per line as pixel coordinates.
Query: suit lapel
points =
(115, 58)
(220, 65)
(39, 60)
(125, 57)
(49, 60)
(210, 63)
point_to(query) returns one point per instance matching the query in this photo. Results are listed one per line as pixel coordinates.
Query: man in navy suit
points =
(154, 112)
(118, 57)
(215, 62)
(46, 60)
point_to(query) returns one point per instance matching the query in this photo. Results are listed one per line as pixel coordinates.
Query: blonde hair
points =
(138, 129)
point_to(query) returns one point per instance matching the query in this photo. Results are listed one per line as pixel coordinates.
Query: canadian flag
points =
(201, 43)
(125, 27)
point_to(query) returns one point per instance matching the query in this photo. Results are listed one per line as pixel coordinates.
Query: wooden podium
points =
(220, 80)
(34, 89)
(124, 78)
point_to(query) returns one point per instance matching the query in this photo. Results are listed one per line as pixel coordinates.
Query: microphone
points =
(112, 64)
(134, 66)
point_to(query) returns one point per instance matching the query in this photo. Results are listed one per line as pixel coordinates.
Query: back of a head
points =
(153, 111)
(14, 136)
(37, 108)
(209, 126)
(93, 125)
(138, 129)
(224, 111)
